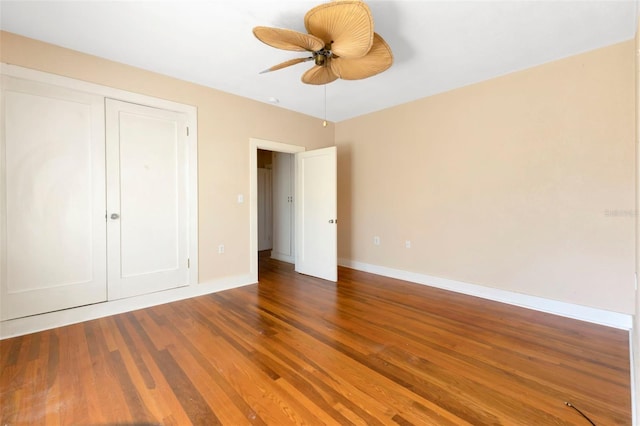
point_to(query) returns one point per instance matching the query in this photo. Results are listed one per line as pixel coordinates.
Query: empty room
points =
(304, 212)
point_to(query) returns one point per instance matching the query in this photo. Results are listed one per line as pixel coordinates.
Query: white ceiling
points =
(437, 45)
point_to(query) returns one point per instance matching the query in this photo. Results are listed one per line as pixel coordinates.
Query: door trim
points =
(254, 145)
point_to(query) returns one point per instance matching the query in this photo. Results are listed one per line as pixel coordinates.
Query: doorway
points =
(287, 151)
(315, 199)
(276, 231)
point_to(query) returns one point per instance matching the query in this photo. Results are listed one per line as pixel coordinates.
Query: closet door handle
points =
(114, 216)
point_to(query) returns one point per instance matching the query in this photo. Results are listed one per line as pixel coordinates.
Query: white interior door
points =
(52, 224)
(146, 199)
(316, 210)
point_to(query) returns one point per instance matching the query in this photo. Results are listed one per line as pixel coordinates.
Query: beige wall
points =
(225, 124)
(506, 183)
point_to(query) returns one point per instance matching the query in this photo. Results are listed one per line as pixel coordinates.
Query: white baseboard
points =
(32, 324)
(283, 257)
(569, 310)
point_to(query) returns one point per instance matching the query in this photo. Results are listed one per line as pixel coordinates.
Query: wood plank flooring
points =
(298, 350)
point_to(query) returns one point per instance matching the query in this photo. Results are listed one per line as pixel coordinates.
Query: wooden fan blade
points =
(319, 75)
(286, 64)
(347, 26)
(288, 39)
(377, 60)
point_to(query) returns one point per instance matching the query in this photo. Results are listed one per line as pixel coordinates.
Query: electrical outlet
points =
(221, 249)
(376, 240)
(407, 244)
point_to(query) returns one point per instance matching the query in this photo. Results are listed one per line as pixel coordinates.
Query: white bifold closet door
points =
(147, 222)
(93, 199)
(53, 239)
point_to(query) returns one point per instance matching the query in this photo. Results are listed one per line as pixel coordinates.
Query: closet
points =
(95, 197)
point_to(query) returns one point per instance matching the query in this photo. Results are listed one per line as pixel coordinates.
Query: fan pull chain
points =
(324, 123)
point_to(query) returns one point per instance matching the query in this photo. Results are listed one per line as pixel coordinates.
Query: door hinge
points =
(188, 263)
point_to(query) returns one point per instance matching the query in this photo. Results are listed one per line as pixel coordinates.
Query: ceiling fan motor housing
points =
(320, 57)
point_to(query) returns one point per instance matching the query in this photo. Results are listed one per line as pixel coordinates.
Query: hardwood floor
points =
(297, 350)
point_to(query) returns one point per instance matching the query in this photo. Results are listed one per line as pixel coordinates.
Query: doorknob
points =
(114, 216)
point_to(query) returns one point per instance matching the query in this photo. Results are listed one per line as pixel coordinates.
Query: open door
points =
(316, 210)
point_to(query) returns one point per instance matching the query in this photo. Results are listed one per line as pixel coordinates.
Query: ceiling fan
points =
(340, 39)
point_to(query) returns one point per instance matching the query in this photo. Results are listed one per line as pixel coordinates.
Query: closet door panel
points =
(146, 199)
(53, 233)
